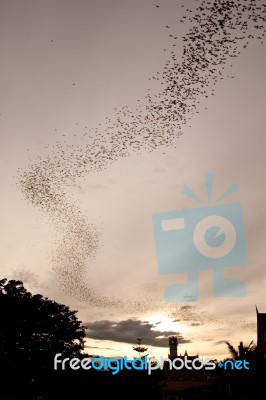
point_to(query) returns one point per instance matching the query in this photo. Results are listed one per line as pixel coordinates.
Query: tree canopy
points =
(243, 352)
(33, 328)
(140, 349)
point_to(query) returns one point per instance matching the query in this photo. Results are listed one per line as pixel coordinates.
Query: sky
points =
(104, 117)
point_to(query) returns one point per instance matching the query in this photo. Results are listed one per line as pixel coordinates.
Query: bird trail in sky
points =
(218, 32)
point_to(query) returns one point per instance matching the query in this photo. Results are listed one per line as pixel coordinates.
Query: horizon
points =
(126, 347)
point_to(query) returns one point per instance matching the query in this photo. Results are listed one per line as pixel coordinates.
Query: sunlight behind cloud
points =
(163, 323)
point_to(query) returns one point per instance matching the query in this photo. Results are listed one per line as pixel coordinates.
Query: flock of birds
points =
(217, 33)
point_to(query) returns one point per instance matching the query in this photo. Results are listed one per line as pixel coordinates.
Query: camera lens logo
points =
(201, 238)
(219, 232)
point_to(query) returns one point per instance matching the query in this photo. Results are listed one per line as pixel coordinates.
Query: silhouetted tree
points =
(241, 382)
(33, 329)
(243, 352)
(140, 349)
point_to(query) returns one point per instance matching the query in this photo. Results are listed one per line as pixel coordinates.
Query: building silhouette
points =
(261, 333)
(177, 382)
(172, 347)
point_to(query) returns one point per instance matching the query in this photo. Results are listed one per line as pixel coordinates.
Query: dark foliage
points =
(32, 330)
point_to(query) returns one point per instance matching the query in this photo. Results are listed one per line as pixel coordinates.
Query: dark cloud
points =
(195, 324)
(129, 330)
(97, 347)
(218, 342)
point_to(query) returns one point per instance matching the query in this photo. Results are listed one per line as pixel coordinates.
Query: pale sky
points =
(68, 66)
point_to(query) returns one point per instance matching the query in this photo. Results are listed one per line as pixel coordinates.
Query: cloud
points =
(29, 279)
(219, 342)
(97, 347)
(129, 330)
